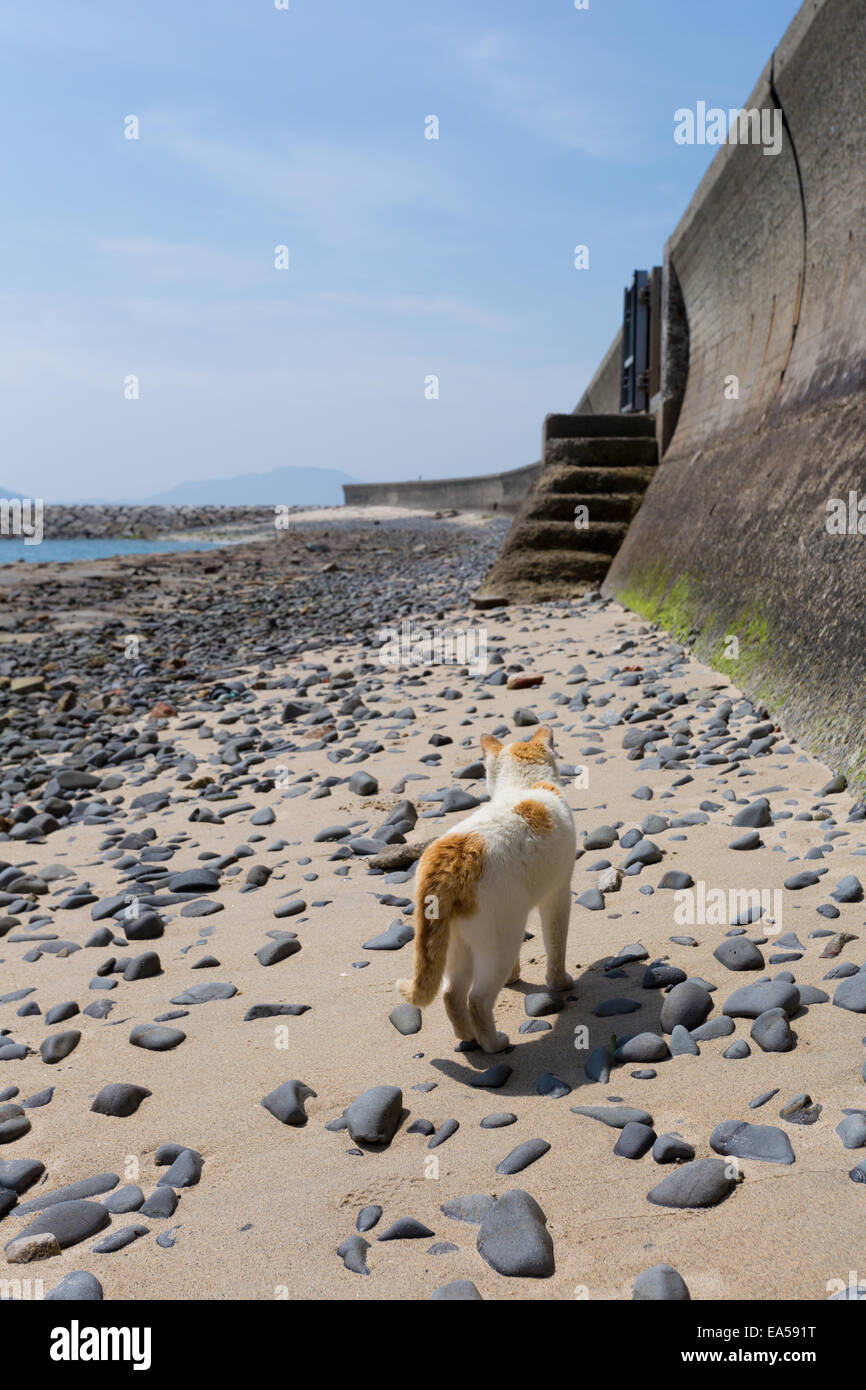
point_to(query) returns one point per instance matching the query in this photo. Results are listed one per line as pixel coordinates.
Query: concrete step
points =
(546, 574)
(566, 478)
(605, 453)
(601, 506)
(603, 536)
(597, 426)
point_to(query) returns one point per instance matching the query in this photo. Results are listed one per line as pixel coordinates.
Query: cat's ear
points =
(544, 736)
(490, 745)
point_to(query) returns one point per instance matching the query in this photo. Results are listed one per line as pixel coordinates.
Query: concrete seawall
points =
(490, 492)
(732, 540)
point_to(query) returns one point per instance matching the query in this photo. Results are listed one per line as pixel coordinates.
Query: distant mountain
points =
(294, 487)
(4, 493)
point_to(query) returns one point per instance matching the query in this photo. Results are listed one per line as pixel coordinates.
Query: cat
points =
(477, 884)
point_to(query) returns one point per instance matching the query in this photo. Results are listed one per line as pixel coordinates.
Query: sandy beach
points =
(275, 1201)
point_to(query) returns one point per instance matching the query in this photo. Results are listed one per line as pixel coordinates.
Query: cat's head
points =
(519, 763)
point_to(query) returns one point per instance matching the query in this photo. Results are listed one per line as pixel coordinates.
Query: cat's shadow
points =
(563, 1049)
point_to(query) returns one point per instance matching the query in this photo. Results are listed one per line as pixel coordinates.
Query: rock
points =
(154, 1038)
(119, 1098)
(374, 1116)
(68, 1222)
(848, 890)
(33, 1247)
(553, 1086)
(756, 815)
(677, 880)
(53, 1049)
(459, 1290)
(687, 1004)
(406, 1018)
(119, 1239)
(76, 1287)
(801, 1110)
(852, 1131)
(851, 993)
(204, 993)
(472, 1209)
(353, 1253)
(738, 953)
(542, 1003)
(738, 1139)
(286, 1102)
(72, 1192)
(513, 1238)
(616, 1116)
(185, 1169)
(522, 1156)
(634, 1141)
(368, 1217)
(362, 784)
(682, 1043)
(407, 1228)
(498, 1120)
(772, 1031)
(660, 1283)
(275, 951)
(124, 1200)
(704, 1183)
(397, 935)
(721, 1027)
(750, 1001)
(642, 1047)
(672, 1148)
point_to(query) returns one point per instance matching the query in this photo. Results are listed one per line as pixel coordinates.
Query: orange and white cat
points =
(477, 885)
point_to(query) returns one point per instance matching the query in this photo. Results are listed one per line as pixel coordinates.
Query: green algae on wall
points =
(762, 667)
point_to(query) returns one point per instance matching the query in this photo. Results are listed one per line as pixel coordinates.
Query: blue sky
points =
(408, 257)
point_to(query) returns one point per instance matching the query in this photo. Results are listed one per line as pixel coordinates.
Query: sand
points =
(275, 1202)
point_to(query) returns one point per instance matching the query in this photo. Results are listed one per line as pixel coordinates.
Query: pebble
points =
(374, 1116)
(521, 1157)
(737, 1139)
(514, 1240)
(703, 1183)
(661, 1283)
(287, 1102)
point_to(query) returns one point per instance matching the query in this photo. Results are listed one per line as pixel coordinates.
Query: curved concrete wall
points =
(601, 396)
(490, 492)
(732, 540)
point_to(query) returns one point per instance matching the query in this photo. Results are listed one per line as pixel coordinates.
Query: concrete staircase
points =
(601, 462)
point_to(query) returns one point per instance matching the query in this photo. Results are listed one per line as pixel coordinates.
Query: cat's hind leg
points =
(492, 965)
(458, 978)
(555, 911)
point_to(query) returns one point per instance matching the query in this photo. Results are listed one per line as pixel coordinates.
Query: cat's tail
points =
(446, 886)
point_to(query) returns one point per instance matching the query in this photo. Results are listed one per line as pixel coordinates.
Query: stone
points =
(69, 1222)
(752, 1000)
(374, 1116)
(514, 1240)
(687, 1004)
(120, 1098)
(660, 1283)
(765, 1143)
(703, 1183)
(772, 1031)
(522, 1156)
(286, 1102)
